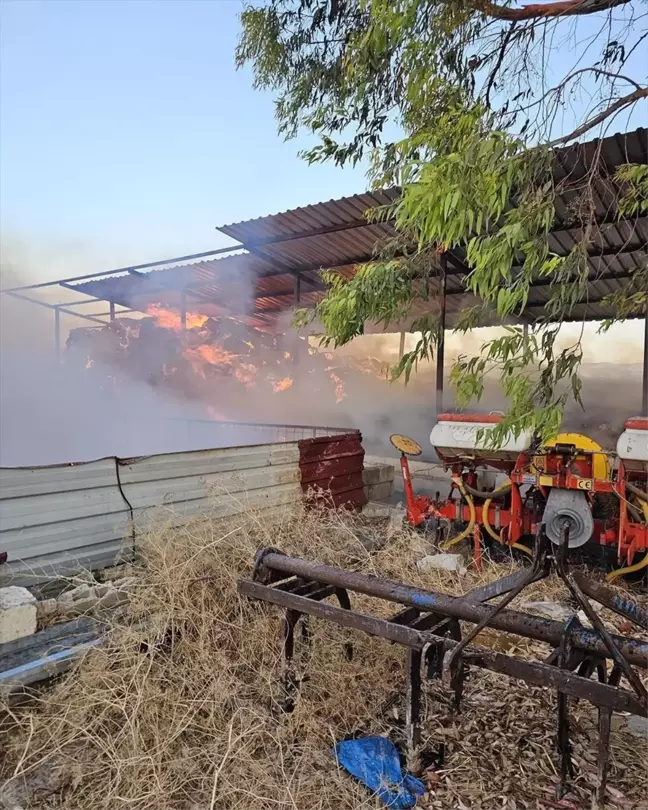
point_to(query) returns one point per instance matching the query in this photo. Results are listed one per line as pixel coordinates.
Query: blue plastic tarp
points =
(374, 762)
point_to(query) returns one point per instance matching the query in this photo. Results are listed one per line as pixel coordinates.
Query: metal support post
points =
(644, 392)
(401, 346)
(112, 311)
(183, 310)
(297, 289)
(57, 333)
(441, 343)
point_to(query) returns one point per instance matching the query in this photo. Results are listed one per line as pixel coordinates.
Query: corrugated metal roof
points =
(259, 284)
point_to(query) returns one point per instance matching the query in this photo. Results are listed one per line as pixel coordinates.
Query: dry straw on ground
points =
(179, 709)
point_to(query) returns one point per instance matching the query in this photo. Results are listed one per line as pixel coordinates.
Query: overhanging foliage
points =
(480, 94)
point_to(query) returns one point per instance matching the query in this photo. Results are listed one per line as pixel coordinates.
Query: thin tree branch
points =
(500, 59)
(563, 8)
(619, 104)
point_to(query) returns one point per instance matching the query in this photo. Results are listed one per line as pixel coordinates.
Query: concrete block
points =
(113, 599)
(17, 613)
(377, 474)
(81, 605)
(445, 562)
(379, 492)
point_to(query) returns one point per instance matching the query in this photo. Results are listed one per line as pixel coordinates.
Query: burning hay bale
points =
(181, 707)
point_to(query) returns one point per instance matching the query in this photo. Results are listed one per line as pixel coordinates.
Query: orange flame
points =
(245, 374)
(208, 355)
(168, 319)
(340, 393)
(282, 385)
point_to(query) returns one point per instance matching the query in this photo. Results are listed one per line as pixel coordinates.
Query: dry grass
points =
(180, 708)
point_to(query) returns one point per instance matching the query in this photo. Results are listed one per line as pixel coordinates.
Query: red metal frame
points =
(515, 521)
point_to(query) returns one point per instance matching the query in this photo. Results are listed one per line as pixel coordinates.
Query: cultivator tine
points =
(344, 601)
(413, 706)
(604, 727)
(289, 679)
(457, 673)
(597, 624)
(428, 626)
(562, 738)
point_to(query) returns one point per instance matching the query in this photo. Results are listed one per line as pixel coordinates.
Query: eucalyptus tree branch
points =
(563, 8)
(619, 104)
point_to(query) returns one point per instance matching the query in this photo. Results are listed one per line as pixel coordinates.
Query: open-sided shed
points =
(278, 259)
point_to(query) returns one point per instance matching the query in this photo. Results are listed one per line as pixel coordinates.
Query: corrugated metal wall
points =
(334, 464)
(57, 520)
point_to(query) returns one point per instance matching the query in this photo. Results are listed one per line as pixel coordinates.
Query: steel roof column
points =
(644, 393)
(57, 334)
(441, 343)
(183, 310)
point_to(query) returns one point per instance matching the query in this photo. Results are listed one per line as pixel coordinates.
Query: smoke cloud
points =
(115, 393)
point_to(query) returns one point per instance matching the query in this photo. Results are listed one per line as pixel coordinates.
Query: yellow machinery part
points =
(405, 445)
(600, 463)
(471, 523)
(491, 531)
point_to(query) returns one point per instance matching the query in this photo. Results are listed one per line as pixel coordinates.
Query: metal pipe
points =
(530, 671)
(619, 603)
(509, 621)
(129, 269)
(296, 289)
(401, 346)
(54, 306)
(112, 311)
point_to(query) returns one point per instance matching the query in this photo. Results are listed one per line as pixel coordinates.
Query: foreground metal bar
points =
(532, 672)
(635, 651)
(619, 603)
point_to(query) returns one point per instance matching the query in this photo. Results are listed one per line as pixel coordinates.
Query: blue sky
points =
(127, 134)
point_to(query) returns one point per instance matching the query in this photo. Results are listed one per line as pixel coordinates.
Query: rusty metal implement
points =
(427, 624)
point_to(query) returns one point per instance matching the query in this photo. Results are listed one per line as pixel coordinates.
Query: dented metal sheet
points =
(331, 468)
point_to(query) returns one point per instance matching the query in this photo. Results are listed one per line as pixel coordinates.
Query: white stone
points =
(17, 613)
(445, 562)
(552, 610)
(638, 726)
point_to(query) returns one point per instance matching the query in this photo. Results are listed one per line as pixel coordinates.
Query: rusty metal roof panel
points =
(289, 224)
